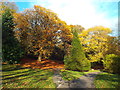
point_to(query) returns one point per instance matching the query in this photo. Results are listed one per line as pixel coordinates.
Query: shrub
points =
(111, 63)
(12, 54)
(76, 60)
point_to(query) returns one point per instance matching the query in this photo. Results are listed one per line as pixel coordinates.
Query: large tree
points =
(76, 59)
(40, 30)
(94, 41)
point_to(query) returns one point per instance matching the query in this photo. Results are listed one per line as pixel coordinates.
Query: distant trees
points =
(76, 59)
(40, 30)
(94, 41)
(113, 45)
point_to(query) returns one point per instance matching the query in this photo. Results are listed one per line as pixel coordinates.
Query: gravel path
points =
(85, 81)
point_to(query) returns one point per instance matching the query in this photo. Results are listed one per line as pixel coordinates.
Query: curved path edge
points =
(85, 81)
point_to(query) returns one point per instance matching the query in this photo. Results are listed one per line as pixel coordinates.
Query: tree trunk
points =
(39, 58)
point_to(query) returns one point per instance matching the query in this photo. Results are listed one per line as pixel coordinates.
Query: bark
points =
(39, 58)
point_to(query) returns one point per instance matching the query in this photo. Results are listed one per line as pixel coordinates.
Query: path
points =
(85, 81)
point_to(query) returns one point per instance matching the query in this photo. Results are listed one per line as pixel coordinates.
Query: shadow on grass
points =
(37, 75)
(16, 80)
(90, 75)
(71, 75)
(16, 73)
(110, 78)
(12, 67)
(25, 73)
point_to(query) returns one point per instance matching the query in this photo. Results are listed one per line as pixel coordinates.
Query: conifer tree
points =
(76, 59)
(11, 49)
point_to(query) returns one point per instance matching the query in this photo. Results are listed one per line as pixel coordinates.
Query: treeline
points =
(40, 32)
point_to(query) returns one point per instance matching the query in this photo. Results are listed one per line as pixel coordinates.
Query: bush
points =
(76, 60)
(112, 63)
(12, 54)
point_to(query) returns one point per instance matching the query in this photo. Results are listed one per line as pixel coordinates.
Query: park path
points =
(85, 81)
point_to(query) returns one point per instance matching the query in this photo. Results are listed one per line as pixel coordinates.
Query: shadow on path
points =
(85, 81)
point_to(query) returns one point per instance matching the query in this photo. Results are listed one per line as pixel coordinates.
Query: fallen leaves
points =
(43, 64)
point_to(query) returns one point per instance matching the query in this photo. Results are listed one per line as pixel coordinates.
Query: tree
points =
(94, 41)
(113, 45)
(40, 30)
(76, 59)
(4, 4)
(78, 28)
(12, 51)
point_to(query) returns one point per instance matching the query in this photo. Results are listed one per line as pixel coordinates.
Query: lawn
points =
(107, 80)
(17, 77)
(71, 75)
(14, 76)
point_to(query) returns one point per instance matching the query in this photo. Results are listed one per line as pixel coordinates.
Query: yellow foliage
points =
(95, 40)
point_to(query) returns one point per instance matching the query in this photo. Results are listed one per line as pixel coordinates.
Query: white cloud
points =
(80, 12)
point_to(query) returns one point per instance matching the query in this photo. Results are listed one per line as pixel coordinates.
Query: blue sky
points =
(88, 13)
(23, 5)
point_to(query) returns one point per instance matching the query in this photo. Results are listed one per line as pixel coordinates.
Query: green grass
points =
(107, 80)
(71, 75)
(16, 77)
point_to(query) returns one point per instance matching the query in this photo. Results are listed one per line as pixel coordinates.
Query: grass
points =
(17, 77)
(14, 76)
(71, 75)
(107, 80)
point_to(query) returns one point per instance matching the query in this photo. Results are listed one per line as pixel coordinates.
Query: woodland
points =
(36, 41)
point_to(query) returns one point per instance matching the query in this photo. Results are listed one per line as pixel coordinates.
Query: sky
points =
(87, 13)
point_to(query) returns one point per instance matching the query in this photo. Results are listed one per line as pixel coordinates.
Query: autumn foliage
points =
(39, 30)
(94, 42)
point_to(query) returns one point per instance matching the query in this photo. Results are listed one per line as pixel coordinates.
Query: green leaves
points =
(12, 51)
(76, 59)
(111, 63)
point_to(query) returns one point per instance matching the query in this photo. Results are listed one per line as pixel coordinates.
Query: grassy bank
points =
(71, 75)
(107, 80)
(17, 77)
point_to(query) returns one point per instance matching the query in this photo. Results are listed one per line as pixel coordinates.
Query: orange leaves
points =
(44, 64)
(38, 28)
(16, 15)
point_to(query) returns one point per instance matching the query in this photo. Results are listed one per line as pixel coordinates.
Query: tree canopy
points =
(94, 41)
(39, 30)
